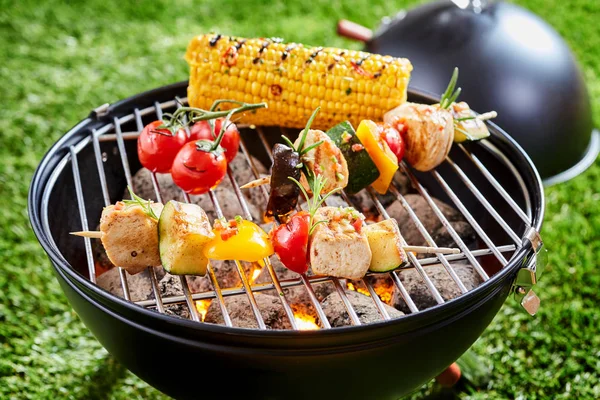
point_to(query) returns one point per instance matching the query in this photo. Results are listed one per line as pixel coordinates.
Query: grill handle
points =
(532, 270)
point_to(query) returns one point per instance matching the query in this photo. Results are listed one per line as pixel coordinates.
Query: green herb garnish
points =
(450, 95)
(138, 201)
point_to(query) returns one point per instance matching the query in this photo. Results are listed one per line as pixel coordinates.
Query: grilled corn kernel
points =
(294, 79)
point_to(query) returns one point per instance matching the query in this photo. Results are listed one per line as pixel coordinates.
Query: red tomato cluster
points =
(194, 166)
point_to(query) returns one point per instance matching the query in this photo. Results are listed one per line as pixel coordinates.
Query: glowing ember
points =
(255, 275)
(305, 322)
(202, 307)
(384, 291)
(359, 290)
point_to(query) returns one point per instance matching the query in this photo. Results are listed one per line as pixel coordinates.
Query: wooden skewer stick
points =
(426, 249)
(487, 115)
(414, 249)
(257, 182)
(88, 234)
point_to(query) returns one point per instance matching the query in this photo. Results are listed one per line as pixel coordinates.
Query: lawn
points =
(59, 61)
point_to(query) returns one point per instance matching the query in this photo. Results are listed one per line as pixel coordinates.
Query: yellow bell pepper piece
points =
(385, 160)
(239, 240)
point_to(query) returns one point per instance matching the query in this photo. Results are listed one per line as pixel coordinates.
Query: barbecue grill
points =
(492, 183)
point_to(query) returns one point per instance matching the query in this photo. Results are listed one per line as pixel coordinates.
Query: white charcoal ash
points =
(441, 279)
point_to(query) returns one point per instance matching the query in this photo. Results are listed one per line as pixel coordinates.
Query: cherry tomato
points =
(394, 139)
(197, 171)
(230, 141)
(290, 242)
(157, 148)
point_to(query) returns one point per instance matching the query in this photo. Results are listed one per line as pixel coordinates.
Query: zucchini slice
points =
(183, 232)
(386, 246)
(361, 168)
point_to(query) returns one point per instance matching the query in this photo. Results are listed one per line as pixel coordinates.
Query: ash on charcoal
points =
(178, 310)
(440, 278)
(297, 295)
(430, 221)
(242, 316)
(140, 285)
(230, 205)
(365, 308)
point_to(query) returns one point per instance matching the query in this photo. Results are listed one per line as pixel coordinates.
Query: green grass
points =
(59, 62)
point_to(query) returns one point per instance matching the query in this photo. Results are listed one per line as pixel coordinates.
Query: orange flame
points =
(383, 290)
(305, 322)
(359, 290)
(202, 307)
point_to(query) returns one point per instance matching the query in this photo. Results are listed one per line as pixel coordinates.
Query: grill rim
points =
(82, 129)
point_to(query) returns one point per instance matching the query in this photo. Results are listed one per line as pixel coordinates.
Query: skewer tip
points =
(88, 234)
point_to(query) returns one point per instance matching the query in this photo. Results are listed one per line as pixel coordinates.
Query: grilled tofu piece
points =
(130, 236)
(337, 247)
(430, 133)
(326, 160)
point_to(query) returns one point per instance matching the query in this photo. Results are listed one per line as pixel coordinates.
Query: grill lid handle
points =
(531, 272)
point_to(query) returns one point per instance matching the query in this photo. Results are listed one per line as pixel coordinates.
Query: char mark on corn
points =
(294, 80)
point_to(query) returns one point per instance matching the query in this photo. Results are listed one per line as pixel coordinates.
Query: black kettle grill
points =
(510, 61)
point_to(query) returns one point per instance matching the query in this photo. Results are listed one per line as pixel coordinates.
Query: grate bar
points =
(215, 284)
(240, 268)
(125, 162)
(413, 259)
(403, 292)
(104, 186)
(82, 214)
(311, 294)
(469, 217)
(294, 282)
(340, 290)
(286, 307)
(496, 185)
(378, 303)
(446, 223)
(484, 201)
(376, 299)
(428, 237)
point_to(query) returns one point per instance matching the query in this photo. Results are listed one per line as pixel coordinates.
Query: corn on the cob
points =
(294, 79)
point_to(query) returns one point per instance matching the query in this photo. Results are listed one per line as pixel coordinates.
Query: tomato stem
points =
(224, 126)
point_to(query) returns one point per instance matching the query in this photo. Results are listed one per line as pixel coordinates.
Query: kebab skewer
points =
(139, 233)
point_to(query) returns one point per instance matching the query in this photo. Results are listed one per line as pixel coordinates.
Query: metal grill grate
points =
(112, 132)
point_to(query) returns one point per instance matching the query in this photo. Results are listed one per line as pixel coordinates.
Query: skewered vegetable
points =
(157, 147)
(238, 239)
(284, 192)
(380, 153)
(468, 125)
(385, 243)
(362, 171)
(183, 232)
(129, 234)
(294, 79)
(290, 242)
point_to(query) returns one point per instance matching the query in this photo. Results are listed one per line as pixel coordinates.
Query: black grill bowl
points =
(186, 359)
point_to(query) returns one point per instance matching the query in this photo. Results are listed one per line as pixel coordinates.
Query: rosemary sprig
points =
(450, 95)
(138, 201)
(316, 183)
